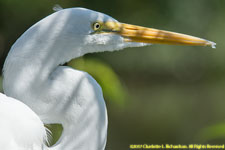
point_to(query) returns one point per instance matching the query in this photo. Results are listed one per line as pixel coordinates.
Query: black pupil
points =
(97, 26)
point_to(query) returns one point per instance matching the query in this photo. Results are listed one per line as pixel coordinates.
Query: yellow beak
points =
(133, 33)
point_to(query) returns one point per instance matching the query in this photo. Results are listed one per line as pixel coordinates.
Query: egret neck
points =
(58, 94)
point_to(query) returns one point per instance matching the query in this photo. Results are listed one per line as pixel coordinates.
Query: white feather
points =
(20, 127)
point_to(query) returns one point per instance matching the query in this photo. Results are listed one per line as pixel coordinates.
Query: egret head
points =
(73, 32)
(105, 33)
(93, 31)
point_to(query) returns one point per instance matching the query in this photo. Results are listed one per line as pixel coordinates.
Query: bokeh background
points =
(155, 95)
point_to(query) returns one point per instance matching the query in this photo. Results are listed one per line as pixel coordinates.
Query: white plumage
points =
(20, 127)
(59, 94)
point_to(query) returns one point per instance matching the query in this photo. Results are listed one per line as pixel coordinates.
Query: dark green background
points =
(176, 94)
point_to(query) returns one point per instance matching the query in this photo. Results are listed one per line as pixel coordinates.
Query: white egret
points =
(60, 94)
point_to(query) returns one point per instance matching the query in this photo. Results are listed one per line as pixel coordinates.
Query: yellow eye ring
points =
(96, 26)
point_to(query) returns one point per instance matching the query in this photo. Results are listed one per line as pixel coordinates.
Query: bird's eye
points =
(96, 26)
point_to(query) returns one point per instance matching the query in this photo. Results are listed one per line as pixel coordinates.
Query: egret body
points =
(20, 127)
(60, 94)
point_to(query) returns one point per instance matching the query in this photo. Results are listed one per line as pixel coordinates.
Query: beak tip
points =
(212, 44)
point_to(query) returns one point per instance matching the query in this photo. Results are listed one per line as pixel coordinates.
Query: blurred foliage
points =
(105, 76)
(1, 89)
(213, 132)
(175, 92)
(55, 131)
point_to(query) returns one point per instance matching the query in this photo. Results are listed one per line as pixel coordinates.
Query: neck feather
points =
(57, 94)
